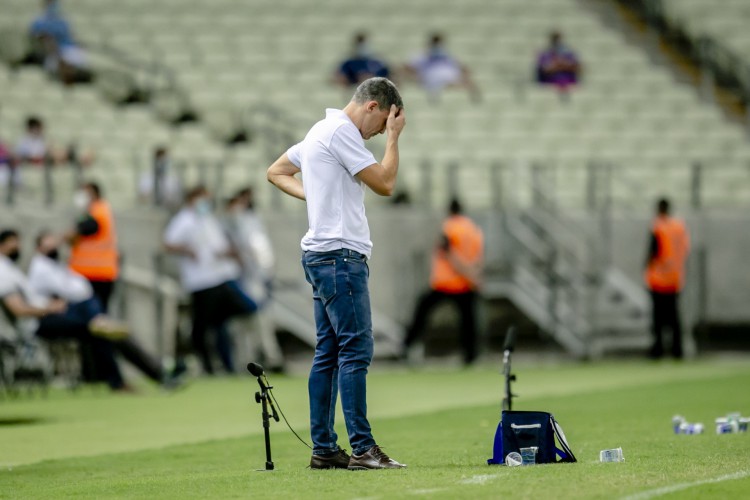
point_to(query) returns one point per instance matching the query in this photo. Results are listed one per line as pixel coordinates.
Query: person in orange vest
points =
(456, 274)
(93, 243)
(665, 276)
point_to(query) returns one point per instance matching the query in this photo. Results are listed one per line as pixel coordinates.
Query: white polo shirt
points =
(49, 278)
(12, 281)
(204, 235)
(331, 154)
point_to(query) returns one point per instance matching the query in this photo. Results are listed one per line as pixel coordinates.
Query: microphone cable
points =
(284, 416)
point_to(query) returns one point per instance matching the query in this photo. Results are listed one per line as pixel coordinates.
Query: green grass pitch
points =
(206, 441)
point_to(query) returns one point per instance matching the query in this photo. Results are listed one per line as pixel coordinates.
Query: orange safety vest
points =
(95, 256)
(466, 242)
(666, 271)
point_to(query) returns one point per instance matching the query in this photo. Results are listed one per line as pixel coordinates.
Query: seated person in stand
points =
(361, 65)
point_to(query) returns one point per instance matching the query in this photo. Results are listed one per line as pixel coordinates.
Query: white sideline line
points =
(645, 495)
(479, 479)
(425, 491)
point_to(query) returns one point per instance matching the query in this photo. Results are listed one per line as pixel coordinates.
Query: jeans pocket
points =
(358, 266)
(322, 275)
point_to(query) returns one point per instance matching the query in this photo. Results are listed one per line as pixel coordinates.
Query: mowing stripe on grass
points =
(645, 495)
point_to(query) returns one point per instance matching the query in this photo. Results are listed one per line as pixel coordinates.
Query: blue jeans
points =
(344, 347)
(85, 311)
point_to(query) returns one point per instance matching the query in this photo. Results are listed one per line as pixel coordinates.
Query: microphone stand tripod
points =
(510, 340)
(263, 398)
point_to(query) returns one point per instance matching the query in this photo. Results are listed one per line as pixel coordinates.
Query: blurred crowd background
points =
(558, 124)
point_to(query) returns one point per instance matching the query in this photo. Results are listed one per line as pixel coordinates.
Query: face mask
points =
(54, 254)
(436, 51)
(364, 50)
(14, 255)
(203, 206)
(81, 200)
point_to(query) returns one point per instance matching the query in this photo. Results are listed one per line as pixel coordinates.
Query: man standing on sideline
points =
(336, 167)
(93, 240)
(665, 276)
(253, 244)
(209, 269)
(456, 272)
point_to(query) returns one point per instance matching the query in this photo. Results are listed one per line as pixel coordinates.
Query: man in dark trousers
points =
(665, 276)
(456, 271)
(336, 168)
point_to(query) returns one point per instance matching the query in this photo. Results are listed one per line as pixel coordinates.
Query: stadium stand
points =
(232, 57)
(726, 23)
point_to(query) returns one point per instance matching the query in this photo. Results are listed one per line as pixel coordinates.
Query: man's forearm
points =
(183, 250)
(288, 184)
(390, 162)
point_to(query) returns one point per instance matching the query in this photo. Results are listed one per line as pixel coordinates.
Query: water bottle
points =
(724, 426)
(731, 424)
(677, 420)
(688, 428)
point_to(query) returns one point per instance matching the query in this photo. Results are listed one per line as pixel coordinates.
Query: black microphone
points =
(510, 339)
(255, 369)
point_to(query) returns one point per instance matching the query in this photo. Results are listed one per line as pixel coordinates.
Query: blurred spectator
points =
(6, 156)
(33, 148)
(209, 270)
(456, 275)
(437, 69)
(7, 164)
(665, 276)
(32, 314)
(50, 279)
(558, 65)
(93, 242)
(167, 189)
(361, 65)
(61, 54)
(256, 256)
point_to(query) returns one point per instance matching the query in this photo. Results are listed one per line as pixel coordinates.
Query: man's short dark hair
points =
(7, 234)
(33, 122)
(94, 187)
(41, 235)
(195, 192)
(455, 207)
(663, 206)
(380, 90)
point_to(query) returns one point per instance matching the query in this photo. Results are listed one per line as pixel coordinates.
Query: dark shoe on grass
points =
(337, 460)
(374, 458)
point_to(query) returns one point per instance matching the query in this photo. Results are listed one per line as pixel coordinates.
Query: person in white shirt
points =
(253, 244)
(159, 185)
(209, 268)
(336, 167)
(33, 314)
(437, 69)
(33, 147)
(50, 278)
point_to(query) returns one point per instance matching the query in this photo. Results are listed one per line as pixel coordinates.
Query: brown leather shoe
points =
(374, 458)
(339, 460)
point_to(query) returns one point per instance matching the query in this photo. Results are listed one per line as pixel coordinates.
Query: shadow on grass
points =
(18, 421)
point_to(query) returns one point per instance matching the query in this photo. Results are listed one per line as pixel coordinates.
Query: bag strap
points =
(566, 454)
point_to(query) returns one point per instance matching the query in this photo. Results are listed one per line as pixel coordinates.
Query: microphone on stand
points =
(510, 340)
(508, 346)
(255, 369)
(264, 398)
